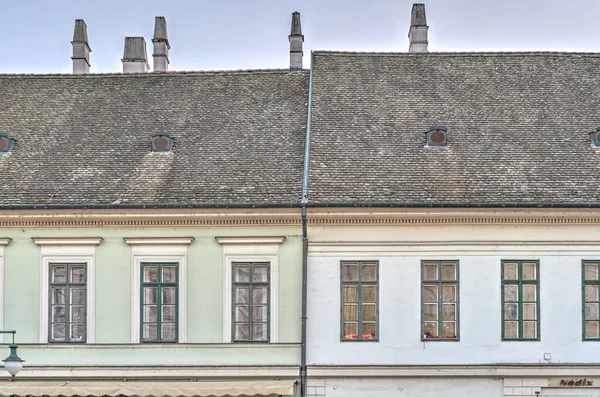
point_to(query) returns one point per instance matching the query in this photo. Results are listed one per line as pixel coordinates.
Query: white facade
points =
(479, 242)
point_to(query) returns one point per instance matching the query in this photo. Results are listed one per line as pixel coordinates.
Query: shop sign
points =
(574, 382)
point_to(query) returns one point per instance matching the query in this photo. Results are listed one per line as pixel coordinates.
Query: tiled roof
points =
(87, 139)
(517, 124)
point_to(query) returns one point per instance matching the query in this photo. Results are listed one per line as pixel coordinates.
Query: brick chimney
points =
(81, 48)
(161, 45)
(296, 42)
(417, 34)
(135, 57)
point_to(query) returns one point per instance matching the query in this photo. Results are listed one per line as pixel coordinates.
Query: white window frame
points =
(3, 243)
(158, 250)
(68, 250)
(251, 249)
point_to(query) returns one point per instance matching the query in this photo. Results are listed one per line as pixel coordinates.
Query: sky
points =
(236, 34)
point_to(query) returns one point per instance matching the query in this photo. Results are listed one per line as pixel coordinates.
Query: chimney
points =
(296, 39)
(135, 58)
(81, 48)
(418, 29)
(161, 45)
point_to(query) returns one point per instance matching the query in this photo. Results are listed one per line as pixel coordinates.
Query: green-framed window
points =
(67, 308)
(159, 302)
(360, 296)
(591, 300)
(251, 311)
(439, 296)
(520, 300)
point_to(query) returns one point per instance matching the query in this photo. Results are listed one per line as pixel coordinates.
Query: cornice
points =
(4, 241)
(158, 240)
(250, 240)
(67, 240)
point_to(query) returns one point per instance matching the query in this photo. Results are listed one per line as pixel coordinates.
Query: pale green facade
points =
(113, 306)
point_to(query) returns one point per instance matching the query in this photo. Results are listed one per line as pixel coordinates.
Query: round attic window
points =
(437, 137)
(161, 143)
(3, 144)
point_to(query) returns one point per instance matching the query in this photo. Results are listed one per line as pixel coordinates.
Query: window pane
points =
(511, 271)
(168, 314)
(350, 330)
(77, 314)
(449, 293)
(529, 311)
(59, 274)
(241, 314)
(259, 295)
(449, 311)
(350, 312)
(511, 311)
(511, 293)
(168, 332)
(430, 271)
(591, 293)
(448, 271)
(529, 270)
(448, 329)
(57, 332)
(240, 331)
(369, 312)
(260, 314)
(350, 293)
(169, 274)
(529, 330)
(77, 296)
(430, 329)
(58, 314)
(241, 273)
(150, 295)
(369, 272)
(77, 274)
(58, 295)
(430, 293)
(77, 332)
(150, 314)
(529, 293)
(511, 330)
(168, 295)
(591, 311)
(430, 311)
(150, 274)
(369, 293)
(591, 271)
(350, 272)
(259, 332)
(241, 295)
(591, 329)
(259, 274)
(149, 332)
(368, 330)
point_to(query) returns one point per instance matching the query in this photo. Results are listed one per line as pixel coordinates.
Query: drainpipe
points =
(305, 233)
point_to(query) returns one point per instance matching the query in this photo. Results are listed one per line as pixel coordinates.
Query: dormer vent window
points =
(162, 142)
(6, 143)
(595, 136)
(436, 136)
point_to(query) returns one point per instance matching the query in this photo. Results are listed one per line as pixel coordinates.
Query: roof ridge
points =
(457, 53)
(174, 73)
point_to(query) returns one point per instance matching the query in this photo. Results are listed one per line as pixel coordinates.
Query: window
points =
(159, 302)
(439, 295)
(520, 300)
(67, 302)
(359, 300)
(591, 301)
(250, 302)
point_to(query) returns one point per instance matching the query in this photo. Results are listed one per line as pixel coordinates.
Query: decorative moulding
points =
(250, 240)
(5, 241)
(67, 240)
(158, 240)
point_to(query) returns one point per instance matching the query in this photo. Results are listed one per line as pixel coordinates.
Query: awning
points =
(146, 388)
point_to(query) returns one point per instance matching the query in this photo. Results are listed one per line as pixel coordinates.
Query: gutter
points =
(305, 232)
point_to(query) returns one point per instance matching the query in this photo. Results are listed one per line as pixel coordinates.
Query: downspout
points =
(305, 233)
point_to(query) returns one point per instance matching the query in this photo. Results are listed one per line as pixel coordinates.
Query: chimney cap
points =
(135, 49)
(160, 30)
(418, 17)
(296, 29)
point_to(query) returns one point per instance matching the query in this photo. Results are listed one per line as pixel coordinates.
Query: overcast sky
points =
(236, 34)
